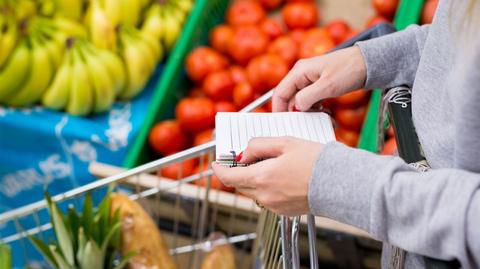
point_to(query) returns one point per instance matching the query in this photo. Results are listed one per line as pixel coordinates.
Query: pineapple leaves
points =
(44, 249)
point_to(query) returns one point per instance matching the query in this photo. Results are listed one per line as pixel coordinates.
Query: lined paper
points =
(234, 130)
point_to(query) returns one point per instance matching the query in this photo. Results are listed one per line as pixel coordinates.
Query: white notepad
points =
(233, 130)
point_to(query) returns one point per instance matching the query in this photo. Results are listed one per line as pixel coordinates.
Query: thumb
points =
(263, 148)
(308, 96)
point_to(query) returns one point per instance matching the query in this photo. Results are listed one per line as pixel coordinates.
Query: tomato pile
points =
(247, 56)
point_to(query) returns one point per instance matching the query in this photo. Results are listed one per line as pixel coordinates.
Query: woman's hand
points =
(280, 181)
(312, 80)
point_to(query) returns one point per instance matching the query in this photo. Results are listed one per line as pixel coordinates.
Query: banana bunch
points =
(88, 80)
(164, 20)
(9, 33)
(101, 28)
(140, 54)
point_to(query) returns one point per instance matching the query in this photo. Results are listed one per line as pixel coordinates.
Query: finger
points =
(263, 148)
(287, 88)
(313, 93)
(238, 177)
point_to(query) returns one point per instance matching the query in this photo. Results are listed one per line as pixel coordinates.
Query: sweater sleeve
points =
(392, 60)
(435, 214)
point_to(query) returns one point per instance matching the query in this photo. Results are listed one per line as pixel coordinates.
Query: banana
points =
(115, 67)
(39, 79)
(46, 7)
(102, 82)
(172, 29)
(102, 31)
(8, 38)
(17, 68)
(113, 10)
(55, 51)
(185, 5)
(70, 9)
(153, 23)
(25, 9)
(154, 46)
(57, 95)
(131, 10)
(69, 27)
(81, 96)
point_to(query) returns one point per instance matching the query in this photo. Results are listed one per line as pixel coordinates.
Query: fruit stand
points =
(183, 198)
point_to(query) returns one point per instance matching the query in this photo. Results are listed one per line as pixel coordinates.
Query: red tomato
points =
(215, 184)
(167, 137)
(266, 71)
(385, 8)
(352, 99)
(238, 74)
(260, 110)
(271, 4)
(376, 20)
(317, 42)
(203, 137)
(247, 42)
(178, 170)
(350, 35)
(298, 1)
(300, 15)
(202, 61)
(297, 35)
(243, 94)
(224, 106)
(390, 131)
(347, 137)
(245, 13)
(338, 30)
(390, 147)
(286, 48)
(272, 28)
(268, 106)
(220, 37)
(351, 119)
(219, 85)
(196, 114)
(196, 92)
(428, 11)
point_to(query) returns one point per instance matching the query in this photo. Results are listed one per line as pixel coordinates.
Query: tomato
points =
(268, 106)
(317, 42)
(428, 11)
(238, 74)
(220, 37)
(178, 170)
(298, 1)
(389, 147)
(297, 35)
(243, 94)
(352, 99)
(219, 85)
(272, 28)
(338, 30)
(167, 137)
(350, 35)
(196, 114)
(347, 137)
(202, 61)
(224, 106)
(385, 8)
(286, 48)
(203, 137)
(266, 71)
(349, 118)
(215, 184)
(247, 42)
(260, 110)
(271, 4)
(245, 12)
(196, 92)
(300, 15)
(376, 20)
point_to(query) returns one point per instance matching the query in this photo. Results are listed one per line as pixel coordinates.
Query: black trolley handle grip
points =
(401, 116)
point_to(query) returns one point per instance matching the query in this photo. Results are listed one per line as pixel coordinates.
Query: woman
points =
(434, 214)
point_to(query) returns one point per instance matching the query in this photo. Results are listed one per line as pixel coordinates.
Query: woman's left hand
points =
(280, 178)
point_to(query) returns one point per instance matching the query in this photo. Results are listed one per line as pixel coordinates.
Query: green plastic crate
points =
(408, 13)
(174, 84)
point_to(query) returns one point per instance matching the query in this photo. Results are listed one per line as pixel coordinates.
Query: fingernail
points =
(239, 157)
(295, 109)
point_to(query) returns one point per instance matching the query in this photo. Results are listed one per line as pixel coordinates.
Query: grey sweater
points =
(437, 213)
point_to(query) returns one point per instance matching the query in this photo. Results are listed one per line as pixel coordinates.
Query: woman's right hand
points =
(312, 80)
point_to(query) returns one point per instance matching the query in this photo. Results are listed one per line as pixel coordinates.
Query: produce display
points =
(89, 239)
(80, 56)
